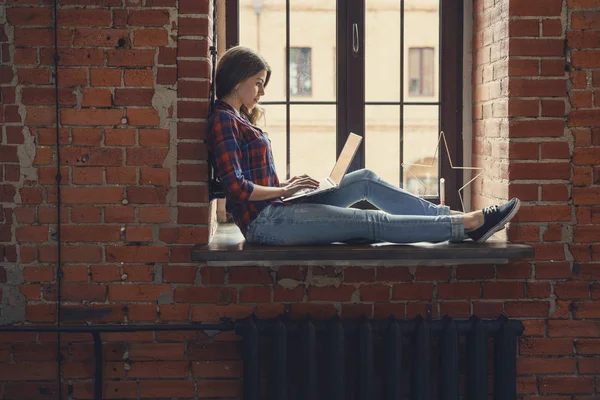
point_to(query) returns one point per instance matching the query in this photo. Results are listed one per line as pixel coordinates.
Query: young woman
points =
(243, 162)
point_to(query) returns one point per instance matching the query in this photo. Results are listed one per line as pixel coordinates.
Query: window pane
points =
(273, 123)
(421, 47)
(382, 50)
(382, 141)
(262, 27)
(312, 36)
(313, 134)
(421, 132)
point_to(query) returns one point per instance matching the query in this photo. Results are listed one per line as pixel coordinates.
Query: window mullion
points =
(401, 122)
(355, 80)
(451, 92)
(341, 72)
(287, 91)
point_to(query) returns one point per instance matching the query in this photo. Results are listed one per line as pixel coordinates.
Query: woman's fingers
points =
(298, 183)
(309, 182)
(303, 178)
(309, 179)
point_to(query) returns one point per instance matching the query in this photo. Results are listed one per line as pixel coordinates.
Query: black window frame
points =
(351, 101)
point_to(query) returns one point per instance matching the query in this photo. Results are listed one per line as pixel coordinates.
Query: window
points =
(397, 73)
(420, 71)
(300, 72)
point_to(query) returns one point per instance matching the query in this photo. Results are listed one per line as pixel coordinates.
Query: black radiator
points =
(379, 359)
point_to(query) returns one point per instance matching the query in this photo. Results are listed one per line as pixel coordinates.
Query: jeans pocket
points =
(261, 230)
(259, 233)
(261, 218)
(250, 231)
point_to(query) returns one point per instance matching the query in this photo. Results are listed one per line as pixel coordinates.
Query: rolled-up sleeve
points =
(227, 154)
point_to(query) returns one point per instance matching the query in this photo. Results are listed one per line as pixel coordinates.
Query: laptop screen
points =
(345, 158)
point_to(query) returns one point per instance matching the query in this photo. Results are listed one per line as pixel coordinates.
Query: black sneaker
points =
(495, 217)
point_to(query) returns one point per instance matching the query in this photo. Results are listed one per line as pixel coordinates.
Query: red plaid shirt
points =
(242, 158)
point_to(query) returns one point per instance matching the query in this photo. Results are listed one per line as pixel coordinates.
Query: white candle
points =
(442, 191)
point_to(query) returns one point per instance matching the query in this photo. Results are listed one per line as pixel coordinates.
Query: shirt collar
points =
(221, 105)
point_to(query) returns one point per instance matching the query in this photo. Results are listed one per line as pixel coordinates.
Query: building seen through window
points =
(300, 71)
(420, 71)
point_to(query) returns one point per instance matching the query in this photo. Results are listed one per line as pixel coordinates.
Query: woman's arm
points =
(227, 153)
(266, 193)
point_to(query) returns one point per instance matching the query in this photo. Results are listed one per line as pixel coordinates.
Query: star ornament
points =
(406, 167)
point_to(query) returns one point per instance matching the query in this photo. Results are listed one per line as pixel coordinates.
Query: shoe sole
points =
(500, 225)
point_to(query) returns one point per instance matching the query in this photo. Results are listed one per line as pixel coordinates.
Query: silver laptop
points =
(337, 173)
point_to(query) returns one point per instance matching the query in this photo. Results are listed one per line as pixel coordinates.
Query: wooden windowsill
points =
(228, 246)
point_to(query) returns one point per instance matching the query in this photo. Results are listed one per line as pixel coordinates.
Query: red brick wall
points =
(536, 131)
(134, 97)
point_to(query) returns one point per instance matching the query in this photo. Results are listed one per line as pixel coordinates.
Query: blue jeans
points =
(326, 218)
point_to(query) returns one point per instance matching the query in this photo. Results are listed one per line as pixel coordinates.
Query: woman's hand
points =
(297, 183)
(295, 178)
(286, 190)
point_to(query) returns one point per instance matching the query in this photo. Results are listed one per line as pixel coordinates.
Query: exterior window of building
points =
(421, 71)
(300, 71)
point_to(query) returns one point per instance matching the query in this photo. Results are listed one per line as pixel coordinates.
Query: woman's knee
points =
(364, 174)
(361, 177)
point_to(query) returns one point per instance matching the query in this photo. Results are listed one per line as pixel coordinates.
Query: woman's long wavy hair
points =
(236, 65)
